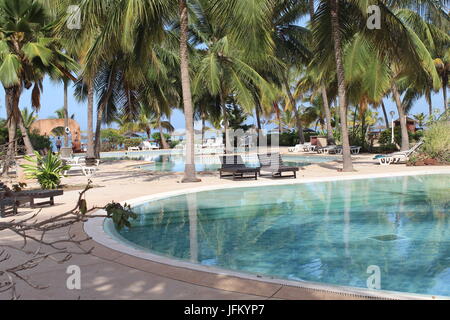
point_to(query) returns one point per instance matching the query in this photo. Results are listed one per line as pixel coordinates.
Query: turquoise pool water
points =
(328, 232)
(176, 163)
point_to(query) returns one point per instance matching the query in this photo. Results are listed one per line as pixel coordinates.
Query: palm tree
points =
(290, 47)
(27, 54)
(313, 80)
(342, 90)
(189, 171)
(347, 20)
(146, 122)
(222, 70)
(420, 117)
(435, 37)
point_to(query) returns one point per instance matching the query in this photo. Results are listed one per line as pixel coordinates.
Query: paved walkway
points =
(113, 275)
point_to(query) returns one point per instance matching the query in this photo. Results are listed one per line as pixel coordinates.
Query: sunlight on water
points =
(324, 232)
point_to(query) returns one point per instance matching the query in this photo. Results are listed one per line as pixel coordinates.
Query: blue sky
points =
(52, 99)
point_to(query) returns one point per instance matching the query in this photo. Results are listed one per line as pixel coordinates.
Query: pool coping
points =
(240, 282)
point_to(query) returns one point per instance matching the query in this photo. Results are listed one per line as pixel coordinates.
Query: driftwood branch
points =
(32, 230)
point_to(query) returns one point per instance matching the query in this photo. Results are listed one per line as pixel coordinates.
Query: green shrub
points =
(156, 136)
(437, 142)
(40, 143)
(47, 170)
(417, 135)
(386, 136)
(173, 144)
(111, 139)
(385, 148)
(3, 132)
(291, 138)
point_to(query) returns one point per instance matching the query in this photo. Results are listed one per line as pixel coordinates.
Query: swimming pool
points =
(327, 232)
(176, 163)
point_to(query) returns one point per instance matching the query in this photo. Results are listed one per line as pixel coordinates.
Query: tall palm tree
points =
(347, 18)
(342, 90)
(146, 122)
(222, 68)
(189, 171)
(27, 53)
(291, 48)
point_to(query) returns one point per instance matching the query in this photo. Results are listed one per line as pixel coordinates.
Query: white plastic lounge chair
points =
(353, 149)
(399, 157)
(308, 147)
(299, 147)
(146, 145)
(79, 164)
(328, 149)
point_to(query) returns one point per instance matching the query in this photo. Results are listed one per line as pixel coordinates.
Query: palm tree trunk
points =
(429, 101)
(298, 121)
(327, 111)
(342, 91)
(66, 115)
(189, 171)
(277, 114)
(355, 117)
(311, 8)
(18, 119)
(11, 123)
(258, 117)
(386, 119)
(402, 116)
(228, 143)
(26, 139)
(444, 93)
(258, 123)
(98, 131)
(164, 143)
(203, 127)
(90, 118)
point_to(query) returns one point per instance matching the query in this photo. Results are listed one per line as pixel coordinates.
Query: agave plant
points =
(48, 170)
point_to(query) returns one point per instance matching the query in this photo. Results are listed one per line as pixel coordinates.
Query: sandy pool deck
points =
(109, 274)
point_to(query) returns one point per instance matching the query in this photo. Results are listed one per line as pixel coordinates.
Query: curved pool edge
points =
(94, 228)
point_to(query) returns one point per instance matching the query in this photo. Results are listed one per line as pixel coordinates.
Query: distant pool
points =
(327, 232)
(176, 163)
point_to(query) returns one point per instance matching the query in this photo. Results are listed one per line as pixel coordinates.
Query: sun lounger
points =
(398, 157)
(79, 164)
(273, 163)
(309, 148)
(328, 149)
(338, 150)
(297, 148)
(233, 166)
(147, 146)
